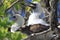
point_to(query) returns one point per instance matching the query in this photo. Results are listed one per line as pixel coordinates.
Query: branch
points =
(12, 5)
(36, 34)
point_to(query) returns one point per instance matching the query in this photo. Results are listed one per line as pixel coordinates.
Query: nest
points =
(39, 36)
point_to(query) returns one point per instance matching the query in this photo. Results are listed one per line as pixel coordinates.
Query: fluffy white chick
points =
(19, 22)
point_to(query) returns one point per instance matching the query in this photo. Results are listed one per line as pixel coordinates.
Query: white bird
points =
(19, 22)
(37, 11)
(34, 17)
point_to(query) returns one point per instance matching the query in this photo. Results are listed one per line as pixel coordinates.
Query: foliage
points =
(4, 34)
(4, 22)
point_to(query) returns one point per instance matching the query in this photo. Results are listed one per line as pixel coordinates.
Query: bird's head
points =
(36, 7)
(17, 17)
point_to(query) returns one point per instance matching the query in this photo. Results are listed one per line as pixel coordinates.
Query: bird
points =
(36, 11)
(34, 22)
(19, 22)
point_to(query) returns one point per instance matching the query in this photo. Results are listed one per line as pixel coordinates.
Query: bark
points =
(53, 20)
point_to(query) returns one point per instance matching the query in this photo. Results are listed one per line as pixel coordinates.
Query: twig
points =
(12, 5)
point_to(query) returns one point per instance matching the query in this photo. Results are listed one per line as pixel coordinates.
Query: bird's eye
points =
(14, 16)
(34, 4)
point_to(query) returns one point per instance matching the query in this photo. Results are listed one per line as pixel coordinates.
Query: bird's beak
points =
(32, 5)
